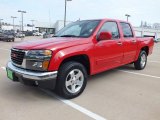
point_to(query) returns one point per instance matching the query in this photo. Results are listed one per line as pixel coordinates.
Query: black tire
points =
(64, 71)
(13, 40)
(138, 64)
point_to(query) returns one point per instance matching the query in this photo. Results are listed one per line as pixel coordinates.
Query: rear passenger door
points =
(129, 43)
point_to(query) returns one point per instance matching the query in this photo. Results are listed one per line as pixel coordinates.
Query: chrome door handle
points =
(119, 43)
(101, 44)
(134, 41)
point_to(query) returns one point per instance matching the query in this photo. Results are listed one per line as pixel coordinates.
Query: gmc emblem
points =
(14, 55)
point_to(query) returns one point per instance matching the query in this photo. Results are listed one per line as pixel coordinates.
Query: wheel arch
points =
(82, 58)
(146, 49)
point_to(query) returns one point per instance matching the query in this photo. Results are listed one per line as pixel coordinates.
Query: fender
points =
(143, 44)
(59, 56)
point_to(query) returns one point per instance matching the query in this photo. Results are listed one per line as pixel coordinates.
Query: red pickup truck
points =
(80, 49)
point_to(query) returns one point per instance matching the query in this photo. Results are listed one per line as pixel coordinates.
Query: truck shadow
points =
(20, 92)
(111, 72)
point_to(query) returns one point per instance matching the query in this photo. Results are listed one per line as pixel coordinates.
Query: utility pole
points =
(65, 12)
(20, 25)
(22, 12)
(13, 22)
(32, 24)
(127, 15)
(1, 23)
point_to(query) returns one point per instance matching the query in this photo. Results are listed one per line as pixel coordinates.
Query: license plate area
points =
(10, 74)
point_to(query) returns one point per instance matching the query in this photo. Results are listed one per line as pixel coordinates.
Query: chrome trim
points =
(18, 50)
(23, 65)
(32, 74)
(24, 59)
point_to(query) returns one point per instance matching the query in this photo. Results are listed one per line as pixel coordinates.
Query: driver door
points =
(109, 53)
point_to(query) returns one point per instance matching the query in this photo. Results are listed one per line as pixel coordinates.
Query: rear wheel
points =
(72, 80)
(13, 39)
(7, 40)
(140, 64)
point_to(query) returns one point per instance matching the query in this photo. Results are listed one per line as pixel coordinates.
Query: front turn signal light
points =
(45, 65)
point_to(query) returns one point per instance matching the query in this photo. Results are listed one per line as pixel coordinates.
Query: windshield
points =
(78, 29)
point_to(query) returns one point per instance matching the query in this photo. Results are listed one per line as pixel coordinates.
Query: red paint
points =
(105, 36)
(103, 55)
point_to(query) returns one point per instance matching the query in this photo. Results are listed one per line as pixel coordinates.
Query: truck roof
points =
(105, 19)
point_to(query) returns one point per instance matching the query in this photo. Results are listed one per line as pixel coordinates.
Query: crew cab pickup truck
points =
(80, 49)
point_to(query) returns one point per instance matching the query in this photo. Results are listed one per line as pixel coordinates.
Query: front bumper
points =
(28, 77)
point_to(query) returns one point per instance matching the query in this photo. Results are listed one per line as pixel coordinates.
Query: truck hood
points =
(51, 43)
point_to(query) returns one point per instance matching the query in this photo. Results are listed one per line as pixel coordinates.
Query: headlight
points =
(38, 59)
(39, 54)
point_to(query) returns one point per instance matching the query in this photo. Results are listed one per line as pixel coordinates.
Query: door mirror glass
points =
(105, 36)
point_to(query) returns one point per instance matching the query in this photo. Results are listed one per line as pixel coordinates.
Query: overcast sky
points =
(40, 10)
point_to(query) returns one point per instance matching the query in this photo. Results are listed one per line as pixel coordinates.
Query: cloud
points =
(84, 9)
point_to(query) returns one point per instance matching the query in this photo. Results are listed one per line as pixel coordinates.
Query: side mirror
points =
(105, 36)
(157, 40)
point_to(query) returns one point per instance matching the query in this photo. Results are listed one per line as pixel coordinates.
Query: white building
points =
(54, 27)
(60, 24)
(139, 31)
(50, 27)
(17, 27)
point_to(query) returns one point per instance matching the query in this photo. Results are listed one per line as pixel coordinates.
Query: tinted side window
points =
(112, 28)
(127, 31)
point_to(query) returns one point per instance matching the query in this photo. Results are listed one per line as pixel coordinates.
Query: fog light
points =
(45, 65)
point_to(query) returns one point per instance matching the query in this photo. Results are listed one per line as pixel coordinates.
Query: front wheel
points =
(72, 80)
(140, 64)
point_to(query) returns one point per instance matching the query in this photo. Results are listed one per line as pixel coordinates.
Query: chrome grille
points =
(17, 56)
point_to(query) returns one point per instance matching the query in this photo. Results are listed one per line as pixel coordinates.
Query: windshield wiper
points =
(68, 36)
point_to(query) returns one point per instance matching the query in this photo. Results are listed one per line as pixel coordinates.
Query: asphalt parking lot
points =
(118, 94)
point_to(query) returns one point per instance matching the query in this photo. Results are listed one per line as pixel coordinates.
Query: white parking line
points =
(3, 68)
(157, 55)
(75, 106)
(84, 110)
(139, 74)
(4, 49)
(153, 61)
